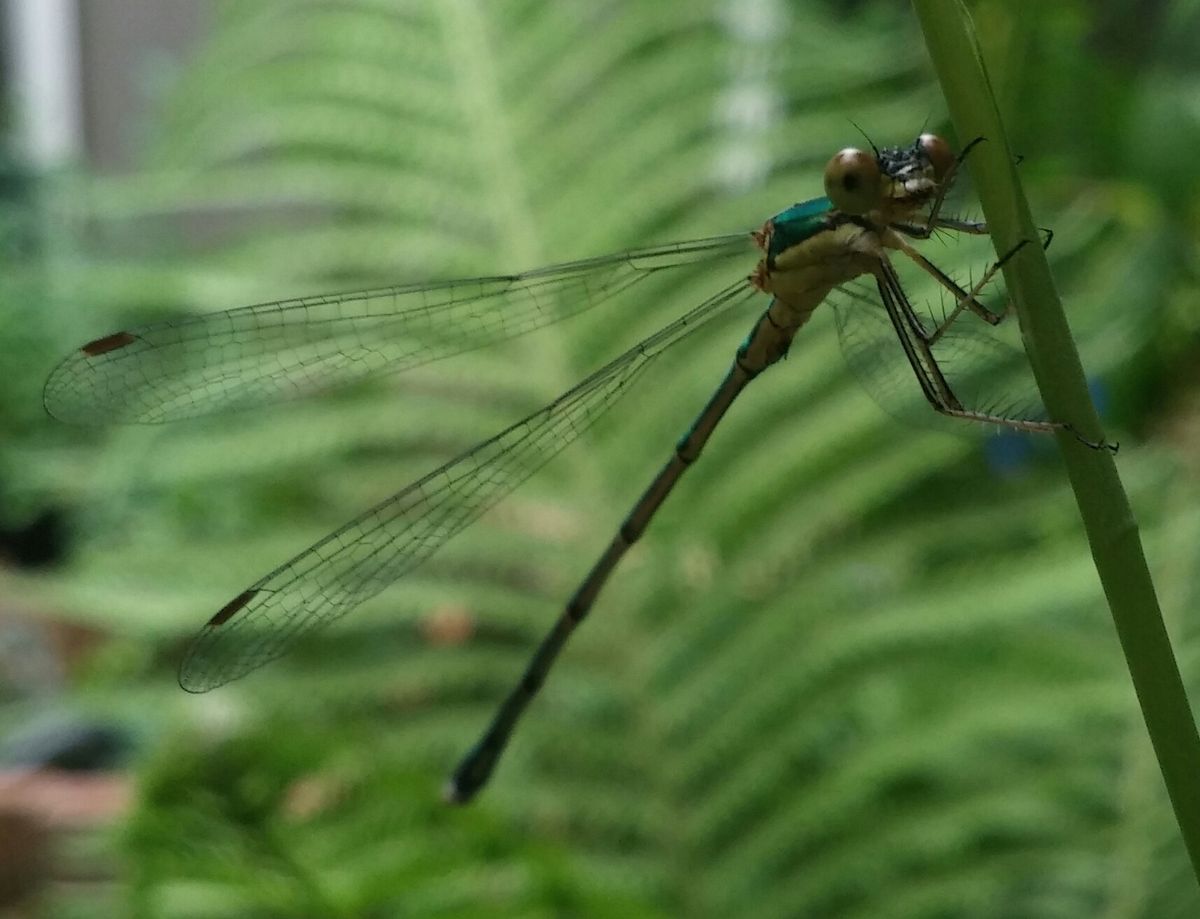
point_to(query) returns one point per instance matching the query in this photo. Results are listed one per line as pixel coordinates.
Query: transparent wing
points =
(357, 561)
(988, 375)
(275, 351)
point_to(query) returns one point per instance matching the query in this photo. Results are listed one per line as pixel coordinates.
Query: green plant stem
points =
(1108, 520)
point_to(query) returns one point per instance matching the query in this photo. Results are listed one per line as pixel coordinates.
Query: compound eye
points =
(939, 154)
(853, 182)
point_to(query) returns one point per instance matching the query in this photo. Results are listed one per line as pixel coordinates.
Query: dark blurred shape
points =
(1129, 31)
(39, 543)
(72, 746)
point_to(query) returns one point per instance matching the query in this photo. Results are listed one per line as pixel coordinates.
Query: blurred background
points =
(854, 669)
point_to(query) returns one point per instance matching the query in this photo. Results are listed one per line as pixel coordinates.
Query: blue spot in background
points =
(1009, 454)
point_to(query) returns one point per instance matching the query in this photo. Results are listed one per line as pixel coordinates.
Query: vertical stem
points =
(1103, 505)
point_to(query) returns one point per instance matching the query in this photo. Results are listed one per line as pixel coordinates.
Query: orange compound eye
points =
(939, 154)
(853, 182)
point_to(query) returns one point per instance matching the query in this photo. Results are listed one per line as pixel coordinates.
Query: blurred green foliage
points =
(853, 670)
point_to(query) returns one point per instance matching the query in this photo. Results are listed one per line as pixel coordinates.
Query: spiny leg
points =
(970, 299)
(923, 231)
(919, 350)
(967, 299)
(958, 225)
(934, 384)
(912, 337)
(964, 299)
(1040, 427)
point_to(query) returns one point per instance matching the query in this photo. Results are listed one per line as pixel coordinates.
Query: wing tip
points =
(190, 686)
(197, 680)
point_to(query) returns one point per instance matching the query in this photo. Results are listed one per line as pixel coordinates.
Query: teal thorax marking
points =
(797, 224)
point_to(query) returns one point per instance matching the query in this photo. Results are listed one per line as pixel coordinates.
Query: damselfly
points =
(835, 247)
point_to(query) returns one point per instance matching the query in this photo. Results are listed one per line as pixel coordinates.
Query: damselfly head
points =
(895, 180)
(916, 172)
